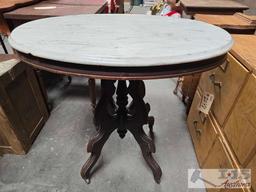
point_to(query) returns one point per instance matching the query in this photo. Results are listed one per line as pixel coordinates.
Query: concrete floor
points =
(53, 163)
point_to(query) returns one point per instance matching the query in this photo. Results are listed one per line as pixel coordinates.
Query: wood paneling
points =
(225, 83)
(241, 126)
(234, 110)
(218, 157)
(226, 7)
(244, 50)
(22, 109)
(34, 12)
(202, 130)
(235, 24)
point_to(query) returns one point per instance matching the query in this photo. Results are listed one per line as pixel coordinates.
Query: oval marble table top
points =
(120, 40)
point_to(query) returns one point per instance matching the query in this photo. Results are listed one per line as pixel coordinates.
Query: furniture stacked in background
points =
(238, 23)
(226, 137)
(23, 111)
(230, 20)
(225, 7)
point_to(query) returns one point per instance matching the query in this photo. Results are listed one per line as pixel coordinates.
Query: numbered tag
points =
(206, 103)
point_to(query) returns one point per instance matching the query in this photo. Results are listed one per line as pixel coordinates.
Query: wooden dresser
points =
(226, 137)
(22, 109)
(238, 23)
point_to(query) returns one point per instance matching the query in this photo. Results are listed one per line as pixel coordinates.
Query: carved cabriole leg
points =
(104, 120)
(110, 116)
(137, 117)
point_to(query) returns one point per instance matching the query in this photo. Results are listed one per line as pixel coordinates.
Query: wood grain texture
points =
(247, 18)
(23, 111)
(225, 85)
(218, 157)
(231, 23)
(244, 50)
(122, 73)
(228, 7)
(5, 57)
(9, 143)
(201, 130)
(241, 125)
(4, 29)
(40, 10)
(7, 5)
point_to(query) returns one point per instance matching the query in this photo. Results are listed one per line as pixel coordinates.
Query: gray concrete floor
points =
(54, 161)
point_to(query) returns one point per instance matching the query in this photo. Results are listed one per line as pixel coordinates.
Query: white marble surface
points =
(120, 40)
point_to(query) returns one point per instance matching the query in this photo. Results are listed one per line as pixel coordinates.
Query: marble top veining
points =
(120, 40)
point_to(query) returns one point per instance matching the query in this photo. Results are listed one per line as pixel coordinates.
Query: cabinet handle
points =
(203, 117)
(212, 77)
(224, 66)
(198, 130)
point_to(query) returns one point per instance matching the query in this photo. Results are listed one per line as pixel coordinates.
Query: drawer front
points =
(218, 157)
(202, 131)
(252, 166)
(240, 129)
(225, 82)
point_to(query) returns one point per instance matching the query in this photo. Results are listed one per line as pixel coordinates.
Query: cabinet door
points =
(22, 103)
(240, 129)
(218, 158)
(225, 82)
(201, 130)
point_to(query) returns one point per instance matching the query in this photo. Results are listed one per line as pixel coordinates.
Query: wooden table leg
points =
(138, 116)
(92, 92)
(111, 115)
(104, 120)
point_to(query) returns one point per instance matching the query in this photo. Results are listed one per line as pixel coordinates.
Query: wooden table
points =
(235, 24)
(51, 9)
(224, 7)
(129, 53)
(8, 5)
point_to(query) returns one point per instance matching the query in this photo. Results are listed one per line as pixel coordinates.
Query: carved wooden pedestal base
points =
(111, 115)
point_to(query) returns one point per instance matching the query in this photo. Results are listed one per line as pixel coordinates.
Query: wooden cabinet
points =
(218, 157)
(225, 83)
(233, 113)
(22, 109)
(238, 23)
(202, 131)
(240, 129)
